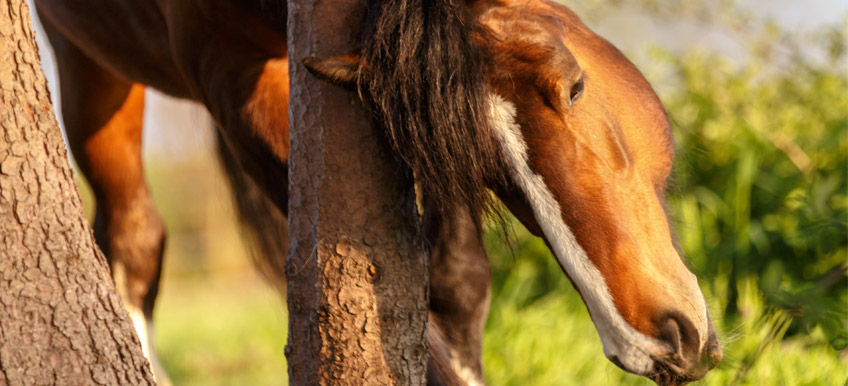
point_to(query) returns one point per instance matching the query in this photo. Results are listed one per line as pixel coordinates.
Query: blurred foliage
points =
(762, 174)
(762, 182)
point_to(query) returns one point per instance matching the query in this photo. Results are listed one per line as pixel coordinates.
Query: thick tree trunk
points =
(357, 269)
(61, 321)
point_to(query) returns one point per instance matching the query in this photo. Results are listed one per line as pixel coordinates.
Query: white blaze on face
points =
(619, 339)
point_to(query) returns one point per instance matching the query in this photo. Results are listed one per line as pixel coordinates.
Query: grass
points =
(217, 323)
(228, 328)
(223, 329)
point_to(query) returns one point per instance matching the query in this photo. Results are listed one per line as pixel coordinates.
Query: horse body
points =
(565, 130)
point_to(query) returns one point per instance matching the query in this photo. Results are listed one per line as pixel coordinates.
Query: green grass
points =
(229, 329)
(223, 329)
(226, 327)
(216, 321)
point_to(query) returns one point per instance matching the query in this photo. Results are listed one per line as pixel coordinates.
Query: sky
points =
(176, 128)
(632, 30)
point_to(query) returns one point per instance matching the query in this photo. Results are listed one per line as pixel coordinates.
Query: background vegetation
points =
(759, 201)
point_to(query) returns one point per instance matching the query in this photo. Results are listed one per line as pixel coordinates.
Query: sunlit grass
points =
(223, 329)
(226, 329)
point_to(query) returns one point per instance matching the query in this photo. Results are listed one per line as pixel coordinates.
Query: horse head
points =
(584, 151)
(590, 150)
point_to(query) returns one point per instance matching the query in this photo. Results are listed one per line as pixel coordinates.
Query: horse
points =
(516, 98)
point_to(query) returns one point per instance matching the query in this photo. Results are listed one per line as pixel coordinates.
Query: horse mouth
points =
(668, 372)
(662, 375)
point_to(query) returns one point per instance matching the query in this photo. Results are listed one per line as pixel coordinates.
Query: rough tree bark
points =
(61, 321)
(357, 268)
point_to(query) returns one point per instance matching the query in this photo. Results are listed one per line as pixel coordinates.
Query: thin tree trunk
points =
(357, 268)
(61, 321)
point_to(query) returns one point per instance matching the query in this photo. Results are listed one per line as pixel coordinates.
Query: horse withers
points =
(514, 97)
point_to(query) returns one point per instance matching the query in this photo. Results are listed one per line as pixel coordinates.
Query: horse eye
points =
(576, 91)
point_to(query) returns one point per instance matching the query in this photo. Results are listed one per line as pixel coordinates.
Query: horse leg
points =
(459, 289)
(103, 120)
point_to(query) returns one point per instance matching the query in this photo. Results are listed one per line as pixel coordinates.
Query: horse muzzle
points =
(681, 365)
(681, 359)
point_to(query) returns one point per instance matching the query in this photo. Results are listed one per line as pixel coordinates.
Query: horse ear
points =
(339, 70)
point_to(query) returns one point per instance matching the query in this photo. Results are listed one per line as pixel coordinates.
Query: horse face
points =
(589, 150)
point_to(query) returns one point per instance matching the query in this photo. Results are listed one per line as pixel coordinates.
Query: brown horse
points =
(517, 97)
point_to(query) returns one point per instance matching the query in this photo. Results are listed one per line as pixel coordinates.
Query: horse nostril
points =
(680, 333)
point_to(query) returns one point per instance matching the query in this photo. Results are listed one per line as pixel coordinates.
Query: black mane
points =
(424, 77)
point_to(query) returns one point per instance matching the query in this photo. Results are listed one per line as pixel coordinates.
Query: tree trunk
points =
(61, 321)
(357, 268)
